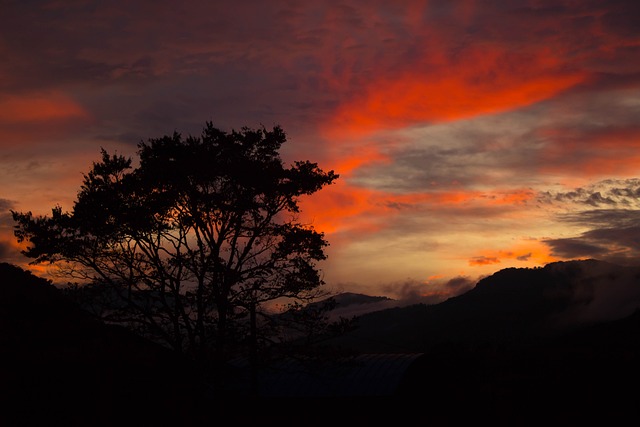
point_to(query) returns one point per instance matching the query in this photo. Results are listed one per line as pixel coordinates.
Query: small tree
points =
(189, 246)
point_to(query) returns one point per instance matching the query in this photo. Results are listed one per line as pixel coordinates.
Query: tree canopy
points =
(190, 245)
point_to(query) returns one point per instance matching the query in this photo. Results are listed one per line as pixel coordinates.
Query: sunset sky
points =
(470, 136)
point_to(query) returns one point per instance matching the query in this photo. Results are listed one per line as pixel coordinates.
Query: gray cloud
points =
(614, 236)
(416, 292)
(610, 210)
(608, 193)
(514, 148)
(6, 220)
(487, 150)
(524, 257)
(6, 204)
(622, 19)
(577, 247)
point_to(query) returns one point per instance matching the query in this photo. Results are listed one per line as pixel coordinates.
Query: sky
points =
(469, 136)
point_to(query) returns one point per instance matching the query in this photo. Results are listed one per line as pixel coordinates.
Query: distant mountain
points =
(349, 304)
(346, 299)
(512, 306)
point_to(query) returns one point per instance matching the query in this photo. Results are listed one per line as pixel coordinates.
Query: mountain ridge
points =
(511, 305)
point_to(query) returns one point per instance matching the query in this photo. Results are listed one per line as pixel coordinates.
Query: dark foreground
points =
(60, 367)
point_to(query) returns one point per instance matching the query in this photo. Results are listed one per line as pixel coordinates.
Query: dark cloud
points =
(577, 26)
(596, 199)
(48, 42)
(613, 235)
(622, 18)
(138, 70)
(627, 237)
(603, 218)
(577, 247)
(6, 204)
(483, 260)
(524, 257)
(6, 220)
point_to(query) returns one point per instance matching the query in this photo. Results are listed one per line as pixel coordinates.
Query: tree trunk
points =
(253, 350)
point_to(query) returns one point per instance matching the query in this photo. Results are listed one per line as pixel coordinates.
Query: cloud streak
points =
(482, 80)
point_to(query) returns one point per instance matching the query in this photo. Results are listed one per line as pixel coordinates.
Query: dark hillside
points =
(62, 365)
(586, 376)
(555, 345)
(510, 307)
(524, 347)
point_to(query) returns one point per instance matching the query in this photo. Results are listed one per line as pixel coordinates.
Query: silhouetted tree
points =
(188, 246)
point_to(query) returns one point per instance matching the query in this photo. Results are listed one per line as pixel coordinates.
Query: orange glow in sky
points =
(468, 136)
(483, 80)
(39, 107)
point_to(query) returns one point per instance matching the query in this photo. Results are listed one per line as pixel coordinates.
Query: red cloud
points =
(480, 80)
(531, 252)
(343, 207)
(603, 153)
(40, 107)
(37, 117)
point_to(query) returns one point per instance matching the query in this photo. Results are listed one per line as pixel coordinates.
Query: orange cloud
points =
(40, 107)
(354, 158)
(345, 207)
(531, 252)
(480, 80)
